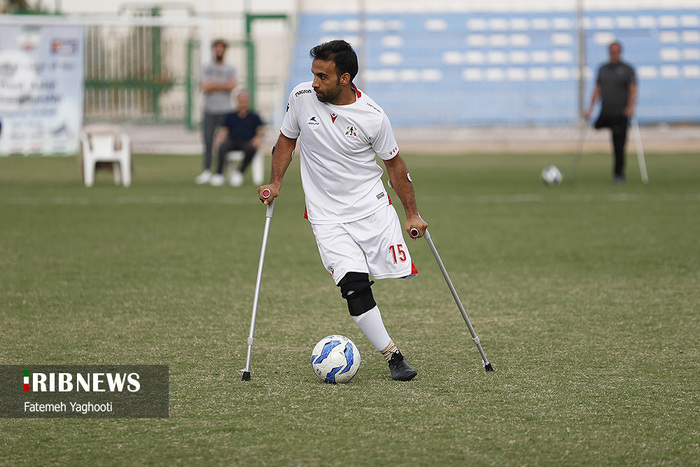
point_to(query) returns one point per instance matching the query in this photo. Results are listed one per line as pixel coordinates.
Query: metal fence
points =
(136, 72)
(149, 70)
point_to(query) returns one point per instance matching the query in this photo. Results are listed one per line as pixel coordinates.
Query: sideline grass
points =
(585, 297)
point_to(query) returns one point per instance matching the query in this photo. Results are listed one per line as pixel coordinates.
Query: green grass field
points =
(585, 296)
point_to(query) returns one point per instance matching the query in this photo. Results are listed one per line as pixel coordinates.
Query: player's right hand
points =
(267, 194)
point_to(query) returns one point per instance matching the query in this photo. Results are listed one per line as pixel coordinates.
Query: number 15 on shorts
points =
(398, 252)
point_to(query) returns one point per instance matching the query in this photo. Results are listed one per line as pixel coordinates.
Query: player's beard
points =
(330, 95)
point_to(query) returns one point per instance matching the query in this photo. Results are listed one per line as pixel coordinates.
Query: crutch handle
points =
(414, 233)
(266, 193)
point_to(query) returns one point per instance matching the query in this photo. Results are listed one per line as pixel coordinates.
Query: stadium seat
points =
(515, 63)
(257, 166)
(105, 144)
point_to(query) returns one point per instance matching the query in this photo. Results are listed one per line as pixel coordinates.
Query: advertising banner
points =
(41, 89)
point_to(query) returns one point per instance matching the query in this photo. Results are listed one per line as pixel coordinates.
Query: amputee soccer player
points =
(340, 131)
(616, 86)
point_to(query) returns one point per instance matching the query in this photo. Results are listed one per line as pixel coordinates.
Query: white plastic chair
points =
(106, 144)
(257, 165)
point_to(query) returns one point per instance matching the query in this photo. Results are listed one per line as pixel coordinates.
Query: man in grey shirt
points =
(217, 81)
(616, 86)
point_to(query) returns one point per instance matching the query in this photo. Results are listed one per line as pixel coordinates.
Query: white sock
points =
(372, 325)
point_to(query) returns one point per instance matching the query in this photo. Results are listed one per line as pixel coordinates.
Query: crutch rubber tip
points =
(246, 376)
(488, 367)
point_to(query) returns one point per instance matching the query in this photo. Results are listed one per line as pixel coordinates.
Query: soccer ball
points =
(335, 359)
(552, 176)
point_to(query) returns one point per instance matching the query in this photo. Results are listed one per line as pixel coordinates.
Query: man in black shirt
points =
(616, 86)
(241, 130)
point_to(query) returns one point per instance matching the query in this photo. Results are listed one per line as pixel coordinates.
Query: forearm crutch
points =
(258, 280)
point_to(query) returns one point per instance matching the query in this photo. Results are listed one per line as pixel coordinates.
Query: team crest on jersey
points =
(314, 121)
(350, 131)
(333, 117)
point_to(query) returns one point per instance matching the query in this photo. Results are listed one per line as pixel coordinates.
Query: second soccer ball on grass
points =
(552, 176)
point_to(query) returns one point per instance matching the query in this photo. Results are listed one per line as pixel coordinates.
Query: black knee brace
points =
(356, 288)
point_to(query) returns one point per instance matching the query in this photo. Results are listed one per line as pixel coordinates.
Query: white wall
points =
(200, 6)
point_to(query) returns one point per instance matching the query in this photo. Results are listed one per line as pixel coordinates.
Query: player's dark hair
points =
(217, 42)
(339, 52)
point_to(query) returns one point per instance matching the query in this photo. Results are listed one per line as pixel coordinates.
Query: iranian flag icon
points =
(26, 380)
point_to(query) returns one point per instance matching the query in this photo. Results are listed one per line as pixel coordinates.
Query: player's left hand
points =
(416, 226)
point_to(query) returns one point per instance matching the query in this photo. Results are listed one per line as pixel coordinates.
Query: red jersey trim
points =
(357, 91)
(392, 157)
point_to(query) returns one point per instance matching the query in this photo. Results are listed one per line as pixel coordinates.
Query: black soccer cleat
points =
(400, 369)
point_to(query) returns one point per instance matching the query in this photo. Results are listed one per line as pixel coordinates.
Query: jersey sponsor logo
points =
(380, 195)
(375, 108)
(394, 151)
(313, 122)
(302, 91)
(350, 131)
(333, 117)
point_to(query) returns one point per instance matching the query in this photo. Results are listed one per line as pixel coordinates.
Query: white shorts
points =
(374, 245)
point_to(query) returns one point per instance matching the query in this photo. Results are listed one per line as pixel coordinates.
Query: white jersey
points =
(338, 145)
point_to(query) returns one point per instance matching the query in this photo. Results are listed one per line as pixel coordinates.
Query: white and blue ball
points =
(552, 176)
(335, 359)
